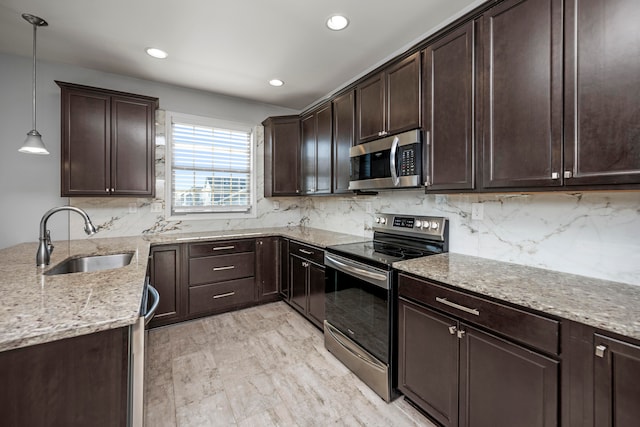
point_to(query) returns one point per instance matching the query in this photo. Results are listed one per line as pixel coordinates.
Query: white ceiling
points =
(227, 47)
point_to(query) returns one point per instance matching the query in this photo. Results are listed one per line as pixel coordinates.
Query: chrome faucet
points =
(43, 256)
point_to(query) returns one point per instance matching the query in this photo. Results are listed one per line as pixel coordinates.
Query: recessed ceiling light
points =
(156, 53)
(337, 22)
(276, 82)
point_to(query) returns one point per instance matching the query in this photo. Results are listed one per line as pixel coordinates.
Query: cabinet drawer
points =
(219, 296)
(520, 325)
(221, 268)
(310, 253)
(221, 247)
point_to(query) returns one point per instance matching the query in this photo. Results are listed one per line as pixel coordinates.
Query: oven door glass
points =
(360, 310)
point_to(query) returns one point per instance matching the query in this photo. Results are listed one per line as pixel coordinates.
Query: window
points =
(209, 166)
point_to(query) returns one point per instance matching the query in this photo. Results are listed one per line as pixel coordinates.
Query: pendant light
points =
(33, 144)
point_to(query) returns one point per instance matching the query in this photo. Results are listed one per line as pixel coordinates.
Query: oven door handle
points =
(377, 279)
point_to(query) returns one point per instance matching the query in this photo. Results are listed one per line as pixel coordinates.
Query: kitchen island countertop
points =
(37, 308)
(603, 304)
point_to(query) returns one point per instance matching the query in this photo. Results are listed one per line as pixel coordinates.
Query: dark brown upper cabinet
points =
(389, 102)
(108, 143)
(448, 111)
(343, 139)
(282, 156)
(316, 150)
(523, 94)
(602, 92)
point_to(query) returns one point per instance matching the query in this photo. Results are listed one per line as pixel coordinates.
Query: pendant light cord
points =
(35, 30)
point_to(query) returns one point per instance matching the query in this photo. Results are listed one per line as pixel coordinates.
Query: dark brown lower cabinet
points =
(267, 268)
(462, 376)
(616, 382)
(307, 283)
(80, 381)
(165, 277)
(283, 285)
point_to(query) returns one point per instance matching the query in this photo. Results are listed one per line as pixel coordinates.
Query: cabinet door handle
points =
(228, 294)
(228, 267)
(445, 301)
(461, 333)
(568, 174)
(453, 329)
(222, 248)
(106, 190)
(601, 350)
(305, 252)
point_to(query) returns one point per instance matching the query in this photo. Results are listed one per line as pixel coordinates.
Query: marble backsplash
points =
(594, 234)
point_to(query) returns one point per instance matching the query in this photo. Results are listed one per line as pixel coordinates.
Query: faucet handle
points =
(48, 239)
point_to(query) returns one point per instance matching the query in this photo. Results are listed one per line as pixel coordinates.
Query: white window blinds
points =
(210, 169)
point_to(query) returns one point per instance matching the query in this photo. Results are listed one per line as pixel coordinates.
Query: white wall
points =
(30, 185)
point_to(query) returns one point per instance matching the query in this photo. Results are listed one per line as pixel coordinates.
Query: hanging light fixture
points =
(33, 144)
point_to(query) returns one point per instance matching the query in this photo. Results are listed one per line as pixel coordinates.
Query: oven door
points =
(357, 303)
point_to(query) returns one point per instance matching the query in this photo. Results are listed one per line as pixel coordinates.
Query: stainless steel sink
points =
(85, 264)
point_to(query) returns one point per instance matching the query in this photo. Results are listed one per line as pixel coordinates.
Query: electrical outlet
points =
(133, 208)
(477, 211)
(156, 207)
(276, 205)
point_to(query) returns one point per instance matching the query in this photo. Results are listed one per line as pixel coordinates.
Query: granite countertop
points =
(37, 308)
(603, 304)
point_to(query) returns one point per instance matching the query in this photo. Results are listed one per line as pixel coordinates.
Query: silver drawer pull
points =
(223, 248)
(228, 294)
(306, 252)
(458, 306)
(228, 267)
(600, 350)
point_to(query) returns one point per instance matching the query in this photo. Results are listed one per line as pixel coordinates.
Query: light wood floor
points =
(263, 366)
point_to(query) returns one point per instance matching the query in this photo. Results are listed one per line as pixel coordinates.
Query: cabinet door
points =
(282, 156)
(284, 269)
(448, 105)
(324, 149)
(79, 381)
(268, 267)
(602, 89)
(503, 384)
(523, 94)
(617, 389)
(132, 147)
(298, 283)
(428, 361)
(343, 139)
(86, 128)
(317, 280)
(402, 86)
(370, 108)
(165, 277)
(308, 150)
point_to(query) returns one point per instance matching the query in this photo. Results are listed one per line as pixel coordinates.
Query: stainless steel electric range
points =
(361, 294)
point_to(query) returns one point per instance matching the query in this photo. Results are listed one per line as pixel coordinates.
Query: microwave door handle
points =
(392, 161)
(427, 160)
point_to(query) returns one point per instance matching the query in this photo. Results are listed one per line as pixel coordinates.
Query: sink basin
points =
(85, 264)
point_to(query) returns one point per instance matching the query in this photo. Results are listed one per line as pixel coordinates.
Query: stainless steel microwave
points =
(391, 162)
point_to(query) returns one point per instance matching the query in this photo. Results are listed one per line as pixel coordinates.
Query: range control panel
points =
(424, 226)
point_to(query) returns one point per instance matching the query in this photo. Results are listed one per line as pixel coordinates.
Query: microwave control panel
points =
(409, 161)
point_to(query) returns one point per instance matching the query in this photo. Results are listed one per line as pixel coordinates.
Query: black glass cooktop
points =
(386, 252)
